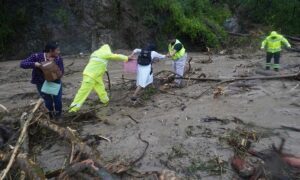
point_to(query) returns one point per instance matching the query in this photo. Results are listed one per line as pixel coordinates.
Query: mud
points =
(172, 122)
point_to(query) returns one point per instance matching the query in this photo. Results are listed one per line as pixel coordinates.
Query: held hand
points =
(37, 64)
(262, 48)
(130, 58)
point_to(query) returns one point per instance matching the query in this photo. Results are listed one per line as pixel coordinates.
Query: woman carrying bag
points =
(47, 70)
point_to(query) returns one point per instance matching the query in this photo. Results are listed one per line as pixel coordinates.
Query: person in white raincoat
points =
(144, 67)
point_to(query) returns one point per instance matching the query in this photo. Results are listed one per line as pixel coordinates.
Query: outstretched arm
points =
(155, 55)
(117, 57)
(263, 44)
(286, 42)
(136, 51)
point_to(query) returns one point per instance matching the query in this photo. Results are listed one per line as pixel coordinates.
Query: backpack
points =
(144, 58)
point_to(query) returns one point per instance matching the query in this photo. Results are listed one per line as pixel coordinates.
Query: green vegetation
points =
(197, 21)
(280, 15)
(11, 23)
(214, 166)
(62, 15)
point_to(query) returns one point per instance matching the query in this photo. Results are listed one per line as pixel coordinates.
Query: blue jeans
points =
(52, 102)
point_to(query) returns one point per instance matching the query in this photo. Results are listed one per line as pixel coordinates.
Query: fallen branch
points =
(239, 34)
(294, 49)
(144, 152)
(287, 76)
(109, 83)
(69, 135)
(20, 140)
(130, 117)
(290, 128)
(292, 38)
(4, 108)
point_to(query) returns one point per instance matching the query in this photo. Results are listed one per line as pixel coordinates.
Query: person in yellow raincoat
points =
(93, 76)
(273, 44)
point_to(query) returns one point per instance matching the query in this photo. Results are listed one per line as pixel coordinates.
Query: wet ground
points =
(172, 122)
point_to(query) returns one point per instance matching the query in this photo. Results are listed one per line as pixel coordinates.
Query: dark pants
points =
(53, 103)
(276, 56)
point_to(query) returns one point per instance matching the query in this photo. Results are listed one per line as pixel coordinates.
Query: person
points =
(273, 44)
(51, 53)
(144, 67)
(93, 76)
(179, 56)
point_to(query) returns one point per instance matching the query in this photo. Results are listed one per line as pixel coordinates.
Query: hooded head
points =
(150, 47)
(274, 33)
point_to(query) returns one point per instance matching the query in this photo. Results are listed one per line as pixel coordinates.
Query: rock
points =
(232, 25)
(243, 168)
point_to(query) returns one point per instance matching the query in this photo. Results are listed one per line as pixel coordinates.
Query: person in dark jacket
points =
(51, 53)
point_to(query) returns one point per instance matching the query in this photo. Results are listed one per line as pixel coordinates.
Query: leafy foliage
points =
(281, 15)
(11, 23)
(198, 21)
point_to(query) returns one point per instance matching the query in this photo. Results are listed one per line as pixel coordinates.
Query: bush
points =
(281, 15)
(198, 21)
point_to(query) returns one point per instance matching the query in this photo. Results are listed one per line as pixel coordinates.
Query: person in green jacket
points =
(272, 44)
(93, 76)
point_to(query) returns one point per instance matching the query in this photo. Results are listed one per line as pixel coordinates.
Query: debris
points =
(287, 76)
(243, 167)
(4, 108)
(120, 167)
(168, 175)
(130, 117)
(290, 128)
(238, 34)
(20, 140)
(211, 119)
(218, 91)
(214, 166)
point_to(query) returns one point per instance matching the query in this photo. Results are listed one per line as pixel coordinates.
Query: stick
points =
(72, 153)
(109, 84)
(20, 140)
(4, 108)
(290, 128)
(130, 117)
(292, 38)
(144, 152)
(238, 34)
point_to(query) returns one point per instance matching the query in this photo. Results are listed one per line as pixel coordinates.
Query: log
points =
(238, 34)
(28, 167)
(294, 49)
(79, 146)
(69, 135)
(20, 140)
(292, 38)
(287, 76)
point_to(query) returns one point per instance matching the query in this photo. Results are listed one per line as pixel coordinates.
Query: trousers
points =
(178, 68)
(88, 84)
(53, 103)
(276, 56)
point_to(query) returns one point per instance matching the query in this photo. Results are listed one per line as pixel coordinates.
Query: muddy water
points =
(172, 123)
